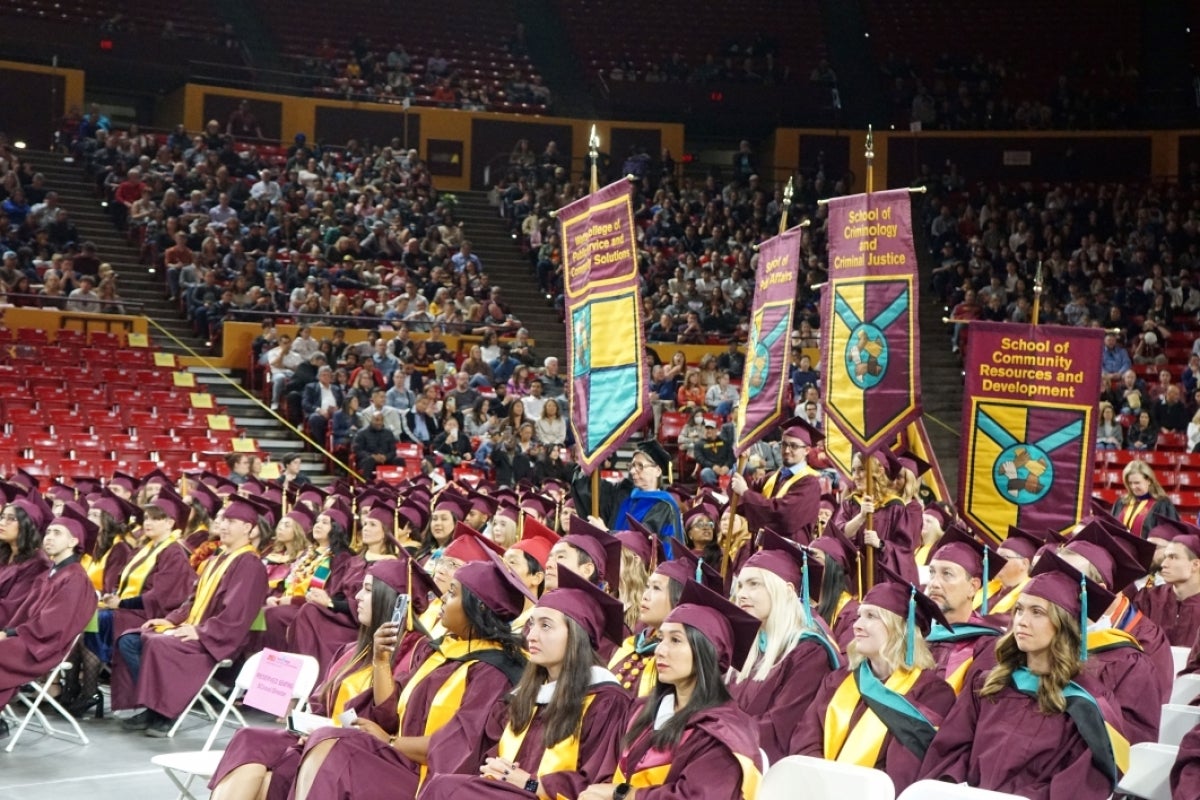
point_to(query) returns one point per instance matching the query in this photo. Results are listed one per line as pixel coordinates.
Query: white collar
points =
(666, 710)
(599, 675)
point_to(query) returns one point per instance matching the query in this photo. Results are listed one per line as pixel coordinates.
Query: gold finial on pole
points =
(869, 152)
(594, 155)
(789, 192)
(1037, 293)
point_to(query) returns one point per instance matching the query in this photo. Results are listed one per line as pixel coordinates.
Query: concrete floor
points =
(114, 765)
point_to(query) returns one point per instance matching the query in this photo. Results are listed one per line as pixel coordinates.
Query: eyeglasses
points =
(641, 465)
(703, 524)
(793, 446)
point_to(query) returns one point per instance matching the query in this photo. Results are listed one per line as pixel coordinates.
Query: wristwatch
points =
(531, 785)
(622, 790)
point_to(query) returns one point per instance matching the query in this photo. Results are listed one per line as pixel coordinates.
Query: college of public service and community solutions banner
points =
(768, 353)
(605, 338)
(1029, 429)
(868, 318)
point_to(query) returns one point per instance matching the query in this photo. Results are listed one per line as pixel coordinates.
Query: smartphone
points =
(400, 612)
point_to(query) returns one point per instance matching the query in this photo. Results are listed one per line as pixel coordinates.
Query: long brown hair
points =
(564, 712)
(1064, 663)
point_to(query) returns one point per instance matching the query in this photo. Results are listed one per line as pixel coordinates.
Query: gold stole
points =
(657, 776)
(768, 490)
(351, 686)
(959, 675)
(562, 757)
(1135, 510)
(841, 604)
(861, 743)
(640, 680)
(1109, 637)
(993, 588)
(432, 621)
(1006, 603)
(921, 554)
(448, 699)
(133, 577)
(210, 580)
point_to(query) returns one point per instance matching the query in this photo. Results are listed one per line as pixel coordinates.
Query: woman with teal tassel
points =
(1037, 725)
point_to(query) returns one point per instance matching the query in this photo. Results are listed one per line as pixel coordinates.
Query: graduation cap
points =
(1058, 582)
(644, 543)
(789, 562)
(601, 547)
(828, 502)
(508, 511)
(241, 509)
(656, 453)
(338, 515)
(909, 603)
(414, 514)
(470, 545)
(980, 560)
(172, 505)
(536, 541)
(26, 480)
(156, 476)
(890, 462)
(598, 613)
(382, 512)
(1174, 530)
(302, 517)
(60, 492)
(74, 519)
(1119, 557)
(115, 506)
(541, 507)
(941, 512)
(702, 510)
(731, 630)
(224, 487)
(914, 463)
(265, 508)
(834, 544)
(35, 508)
(312, 494)
(405, 577)
(454, 503)
(86, 485)
(687, 566)
(124, 481)
(252, 484)
(495, 586)
(1022, 542)
(483, 504)
(207, 499)
(799, 428)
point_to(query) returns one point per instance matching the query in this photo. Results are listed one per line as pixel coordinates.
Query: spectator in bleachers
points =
(722, 397)
(392, 418)
(84, 299)
(714, 455)
(1109, 433)
(321, 399)
(1115, 360)
(1143, 433)
(421, 424)
(1170, 412)
(1130, 396)
(283, 362)
(373, 446)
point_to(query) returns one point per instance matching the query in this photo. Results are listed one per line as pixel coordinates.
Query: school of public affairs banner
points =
(1029, 428)
(868, 318)
(605, 339)
(768, 353)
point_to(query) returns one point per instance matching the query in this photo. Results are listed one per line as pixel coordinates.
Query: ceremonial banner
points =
(605, 338)
(1029, 428)
(868, 318)
(769, 351)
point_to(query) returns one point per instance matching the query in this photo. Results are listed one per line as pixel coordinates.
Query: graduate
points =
(1036, 725)
(163, 665)
(960, 568)
(586, 550)
(688, 739)
(787, 501)
(23, 562)
(792, 653)
(262, 762)
(883, 709)
(1018, 550)
(467, 546)
(892, 537)
(114, 544)
(440, 709)
(41, 631)
(560, 728)
(837, 604)
(325, 623)
(633, 661)
(1175, 604)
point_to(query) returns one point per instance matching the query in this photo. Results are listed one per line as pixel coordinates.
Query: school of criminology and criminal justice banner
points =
(1029, 425)
(605, 338)
(768, 353)
(868, 318)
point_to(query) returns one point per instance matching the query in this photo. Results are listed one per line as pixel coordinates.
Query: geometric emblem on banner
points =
(760, 348)
(866, 353)
(1023, 471)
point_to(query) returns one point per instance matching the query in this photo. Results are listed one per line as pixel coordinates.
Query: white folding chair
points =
(203, 763)
(1149, 775)
(1179, 657)
(1175, 723)
(208, 691)
(33, 709)
(1185, 689)
(818, 779)
(940, 790)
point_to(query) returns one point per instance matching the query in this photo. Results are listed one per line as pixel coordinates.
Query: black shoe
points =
(4, 731)
(159, 728)
(140, 721)
(83, 705)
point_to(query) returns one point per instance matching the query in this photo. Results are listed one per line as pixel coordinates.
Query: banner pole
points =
(869, 524)
(870, 154)
(594, 157)
(1037, 294)
(726, 555)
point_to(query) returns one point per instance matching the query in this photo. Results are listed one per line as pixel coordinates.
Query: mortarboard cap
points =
(1022, 543)
(1058, 582)
(731, 630)
(470, 545)
(601, 547)
(799, 428)
(495, 586)
(172, 505)
(116, 507)
(656, 453)
(536, 540)
(405, 577)
(241, 509)
(598, 613)
(687, 566)
(910, 604)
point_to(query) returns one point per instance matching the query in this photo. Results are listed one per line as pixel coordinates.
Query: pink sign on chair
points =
(273, 684)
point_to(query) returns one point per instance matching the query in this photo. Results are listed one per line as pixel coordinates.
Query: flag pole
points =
(788, 192)
(869, 489)
(1037, 294)
(594, 157)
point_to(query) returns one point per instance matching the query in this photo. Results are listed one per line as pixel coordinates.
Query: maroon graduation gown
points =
(932, 696)
(897, 532)
(1156, 647)
(114, 564)
(167, 586)
(780, 702)
(1180, 621)
(1006, 744)
(792, 515)
(173, 670)
(1185, 775)
(47, 623)
(17, 582)
(321, 632)
(1129, 676)
(277, 749)
(703, 765)
(361, 767)
(599, 745)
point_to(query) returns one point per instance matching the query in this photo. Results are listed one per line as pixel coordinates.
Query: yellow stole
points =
(351, 686)
(210, 580)
(768, 489)
(993, 588)
(298, 579)
(562, 757)
(1109, 637)
(657, 776)
(841, 604)
(1006, 603)
(448, 699)
(133, 577)
(518, 624)
(1134, 510)
(959, 675)
(921, 554)
(861, 743)
(636, 672)
(432, 620)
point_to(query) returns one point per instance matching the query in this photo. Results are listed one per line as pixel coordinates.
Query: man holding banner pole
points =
(786, 502)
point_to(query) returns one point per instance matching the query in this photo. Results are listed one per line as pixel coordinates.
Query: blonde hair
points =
(1143, 469)
(632, 584)
(782, 626)
(1064, 662)
(893, 651)
(907, 485)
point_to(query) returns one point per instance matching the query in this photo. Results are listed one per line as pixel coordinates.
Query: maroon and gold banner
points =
(605, 339)
(868, 318)
(1029, 428)
(769, 351)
